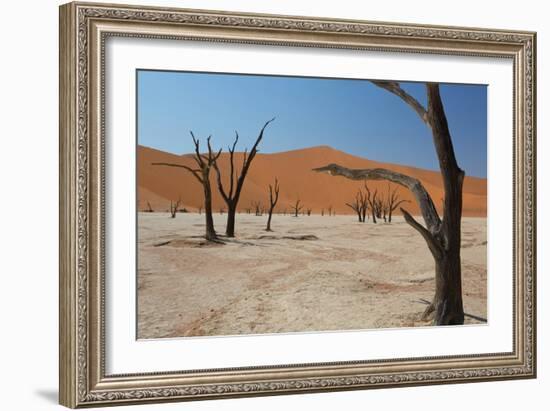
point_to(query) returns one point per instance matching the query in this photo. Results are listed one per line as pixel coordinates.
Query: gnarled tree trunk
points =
(442, 236)
(210, 231)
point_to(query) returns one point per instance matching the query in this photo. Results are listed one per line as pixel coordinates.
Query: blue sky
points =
(349, 115)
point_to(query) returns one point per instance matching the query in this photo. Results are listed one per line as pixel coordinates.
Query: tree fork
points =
(232, 196)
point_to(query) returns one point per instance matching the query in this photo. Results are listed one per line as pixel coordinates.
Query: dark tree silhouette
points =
(393, 201)
(372, 202)
(355, 207)
(385, 212)
(232, 196)
(359, 206)
(174, 208)
(257, 208)
(297, 207)
(442, 236)
(149, 208)
(200, 210)
(363, 205)
(273, 198)
(202, 174)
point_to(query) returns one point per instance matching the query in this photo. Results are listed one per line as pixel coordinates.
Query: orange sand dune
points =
(158, 184)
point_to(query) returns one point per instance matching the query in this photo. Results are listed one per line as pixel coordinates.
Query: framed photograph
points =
(259, 204)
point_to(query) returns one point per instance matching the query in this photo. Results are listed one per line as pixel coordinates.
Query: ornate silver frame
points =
(83, 30)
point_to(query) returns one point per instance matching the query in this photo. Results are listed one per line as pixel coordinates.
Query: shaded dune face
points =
(157, 185)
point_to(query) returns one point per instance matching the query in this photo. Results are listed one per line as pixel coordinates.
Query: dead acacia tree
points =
(273, 198)
(200, 210)
(382, 209)
(355, 207)
(232, 196)
(297, 207)
(442, 236)
(149, 208)
(372, 202)
(174, 208)
(359, 206)
(257, 208)
(202, 174)
(363, 205)
(393, 202)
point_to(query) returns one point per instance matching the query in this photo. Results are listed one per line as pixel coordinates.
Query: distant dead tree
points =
(363, 205)
(273, 198)
(297, 207)
(308, 211)
(356, 206)
(149, 208)
(372, 202)
(257, 207)
(379, 206)
(248, 210)
(174, 208)
(443, 237)
(200, 210)
(393, 202)
(360, 206)
(232, 196)
(204, 162)
(329, 209)
(381, 209)
(222, 210)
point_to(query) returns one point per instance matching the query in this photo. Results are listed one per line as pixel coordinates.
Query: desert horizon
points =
(159, 186)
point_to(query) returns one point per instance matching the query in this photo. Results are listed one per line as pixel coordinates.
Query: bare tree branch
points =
(427, 208)
(434, 247)
(231, 163)
(220, 184)
(394, 88)
(193, 171)
(236, 184)
(197, 156)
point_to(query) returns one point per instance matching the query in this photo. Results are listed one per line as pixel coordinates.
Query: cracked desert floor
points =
(312, 273)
